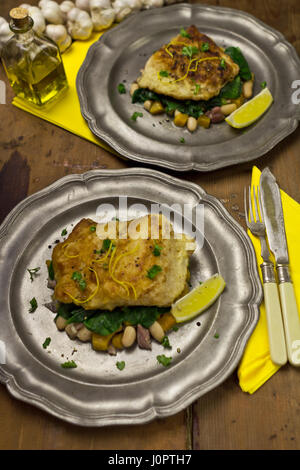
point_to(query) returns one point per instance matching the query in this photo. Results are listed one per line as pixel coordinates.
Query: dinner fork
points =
(255, 223)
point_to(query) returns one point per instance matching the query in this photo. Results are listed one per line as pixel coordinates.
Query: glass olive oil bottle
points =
(32, 62)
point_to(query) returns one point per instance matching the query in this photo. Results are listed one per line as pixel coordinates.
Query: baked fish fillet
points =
(123, 269)
(190, 67)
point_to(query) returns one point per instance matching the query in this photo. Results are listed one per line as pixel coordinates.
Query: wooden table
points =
(34, 154)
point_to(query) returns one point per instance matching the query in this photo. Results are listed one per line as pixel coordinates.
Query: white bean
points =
(133, 88)
(157, 332)
(248, 89)
(61, 323)
(129, 336)
(192, 124)
(72, 329)
(227, 109)
(84, 334)
(148, 104)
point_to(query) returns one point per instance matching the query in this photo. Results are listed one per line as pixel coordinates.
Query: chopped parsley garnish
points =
(76, 276)
(216, 336)
(182, 141)
(157, 250)
(106, 244)
(136, 115)
(93, 228)
(223, 64)
(164, 360)
(120, 365)
(34, 305)
(263, 84)
(204, 47)
(82, 284)
(166, 343)
(197, 88)
(121, 88)
(46, 343)
(33, 272)
(69, 365)
(164, 73)
(175, 328)
(184, 33)
(51, 271)
(64, 232)
(152, 272)
(190, 51)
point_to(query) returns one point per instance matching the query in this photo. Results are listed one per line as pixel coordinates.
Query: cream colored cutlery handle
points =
(291, 322)
(275, 324)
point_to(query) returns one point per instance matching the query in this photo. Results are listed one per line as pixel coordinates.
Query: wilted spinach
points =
(237, 56)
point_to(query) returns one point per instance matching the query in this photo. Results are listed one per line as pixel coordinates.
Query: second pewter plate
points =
(120, 54)
(96, 393)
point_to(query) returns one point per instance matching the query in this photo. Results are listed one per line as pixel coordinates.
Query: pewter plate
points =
(96, 393)
(122, 52)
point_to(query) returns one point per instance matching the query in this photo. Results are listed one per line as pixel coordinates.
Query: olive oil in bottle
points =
(32, 62)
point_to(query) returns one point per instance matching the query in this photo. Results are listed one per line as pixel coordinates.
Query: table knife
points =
(275, 228)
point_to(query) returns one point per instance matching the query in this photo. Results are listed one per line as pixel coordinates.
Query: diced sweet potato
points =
(167, 321)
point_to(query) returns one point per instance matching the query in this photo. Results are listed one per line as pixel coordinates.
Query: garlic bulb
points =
(5, 32)
(79, 23)
(102, 14)
(42, 3)
(147, 4)
(51, 11)
(59, 34)
(39, 23)
(124, 8)
(65, 7)
(83, 5)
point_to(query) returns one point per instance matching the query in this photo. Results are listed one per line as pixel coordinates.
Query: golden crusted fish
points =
(190, 67)
(124, 269)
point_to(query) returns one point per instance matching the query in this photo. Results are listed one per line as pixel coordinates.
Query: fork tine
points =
(255, 197)
(260, 206)
(245, 208)
(250, 206)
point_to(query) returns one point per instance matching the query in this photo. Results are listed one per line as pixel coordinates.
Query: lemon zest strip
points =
(91, 296)
(115, 264)
(100, 260)
(173, 44)
(194, 70)
(112, 274)
(68, 256)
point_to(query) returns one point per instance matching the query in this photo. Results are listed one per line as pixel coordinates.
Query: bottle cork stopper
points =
(19, 16)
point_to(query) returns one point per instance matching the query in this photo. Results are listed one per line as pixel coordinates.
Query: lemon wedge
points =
(199, 299)
(251, 111)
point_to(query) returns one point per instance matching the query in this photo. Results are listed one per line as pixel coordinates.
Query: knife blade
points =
(275, 228)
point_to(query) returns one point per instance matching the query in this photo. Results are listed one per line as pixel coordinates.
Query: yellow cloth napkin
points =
(256, 366)
(65, 112)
